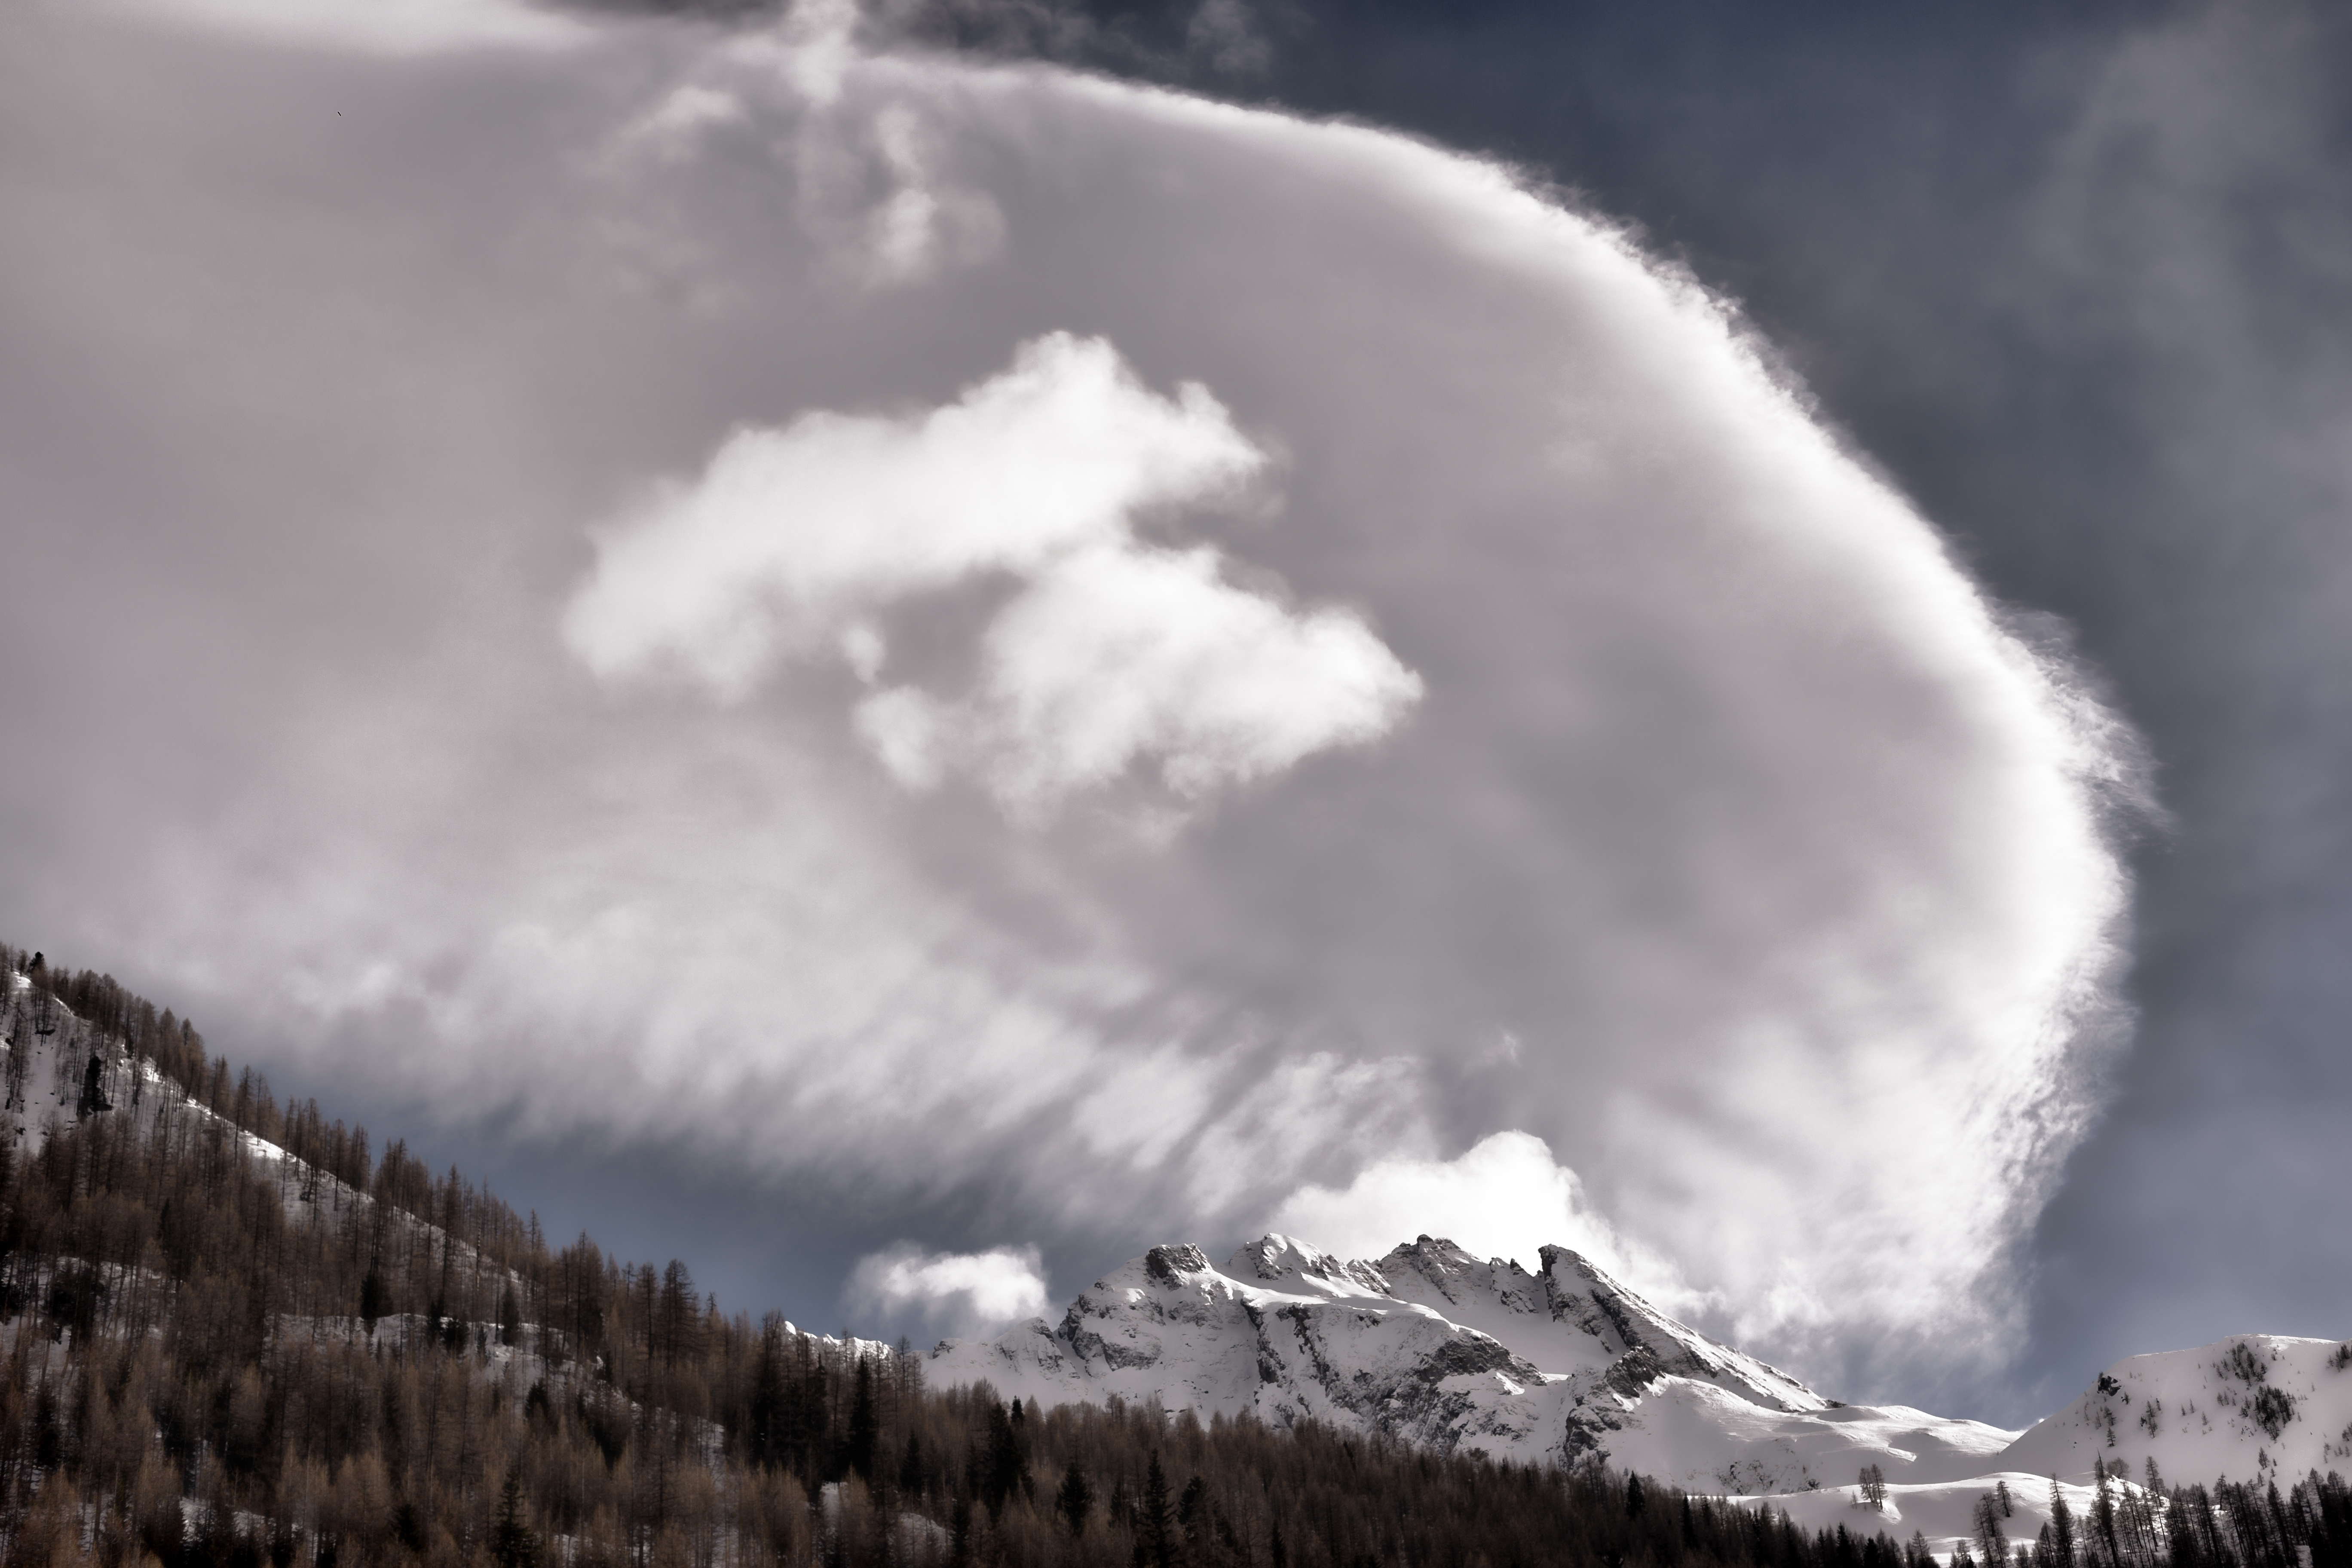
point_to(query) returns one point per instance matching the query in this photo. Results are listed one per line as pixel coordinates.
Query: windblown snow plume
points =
(1030, 655)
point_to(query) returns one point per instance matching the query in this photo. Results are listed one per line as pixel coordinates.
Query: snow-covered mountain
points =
(1438, 1347)
(2244, 1406)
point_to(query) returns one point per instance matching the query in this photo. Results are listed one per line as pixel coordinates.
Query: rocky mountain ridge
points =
(1436, 1347)
(1444, 1349)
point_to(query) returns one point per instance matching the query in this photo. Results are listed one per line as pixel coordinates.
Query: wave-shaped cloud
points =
(1735, 851)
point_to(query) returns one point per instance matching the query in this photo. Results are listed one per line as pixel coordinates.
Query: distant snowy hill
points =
(1440, 1348)
(2249, 1406)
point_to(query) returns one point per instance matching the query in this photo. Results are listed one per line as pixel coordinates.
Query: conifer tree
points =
(1155, 1536)
(2103, 1511)
(2062, 1526)
(1988, 1534)
(1075, 1501)
(512, 1543)
(371, 1299)
(865, 1428)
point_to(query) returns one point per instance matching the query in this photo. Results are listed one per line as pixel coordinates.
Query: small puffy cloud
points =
(956, 1293)
(1505, 1196)
(790, 535)
(1120, 653)
(1114, 651)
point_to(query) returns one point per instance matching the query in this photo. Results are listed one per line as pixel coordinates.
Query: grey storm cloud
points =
(1432, 728)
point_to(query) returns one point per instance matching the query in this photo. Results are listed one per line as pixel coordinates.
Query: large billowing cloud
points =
(1005, 644)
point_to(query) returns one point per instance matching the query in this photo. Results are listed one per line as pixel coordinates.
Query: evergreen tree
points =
(1074, 1503)
(1988, 1536)
(1192, 1511)
(2102, 1512)
(763, 1416)
(372, 1297)
(2062, 1526)
(864, 1424)
(1003, 1467)
(512, 1543)
(1155, 1534)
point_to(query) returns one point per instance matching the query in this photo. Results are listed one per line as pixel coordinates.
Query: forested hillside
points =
(236, 1334)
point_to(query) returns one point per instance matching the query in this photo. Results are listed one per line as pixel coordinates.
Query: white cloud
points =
(790, 534)
(1505, 1196)
(953, 1293)
(1118, 654)
(1114, 651)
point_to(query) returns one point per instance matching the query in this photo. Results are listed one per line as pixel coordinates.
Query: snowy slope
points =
(1943, 1511)
(2239, 1407)
(1437, 1347)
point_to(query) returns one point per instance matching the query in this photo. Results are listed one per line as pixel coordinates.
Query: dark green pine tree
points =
(864, 1422)
(1005, 1469)
(512, 1544)
(1155, 1521)
(2062, 1526)
(763, 1417)
(1075, 1501)
(371, 1298)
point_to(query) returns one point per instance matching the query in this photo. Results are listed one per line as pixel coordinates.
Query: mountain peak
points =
(1277, 1259)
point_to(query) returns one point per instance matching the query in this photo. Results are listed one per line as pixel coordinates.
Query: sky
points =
(902, 650)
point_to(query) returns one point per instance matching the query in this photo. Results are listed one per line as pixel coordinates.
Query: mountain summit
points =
(1444, 1350)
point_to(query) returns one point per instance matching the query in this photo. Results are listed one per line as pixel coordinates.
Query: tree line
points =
(2232, 1524)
